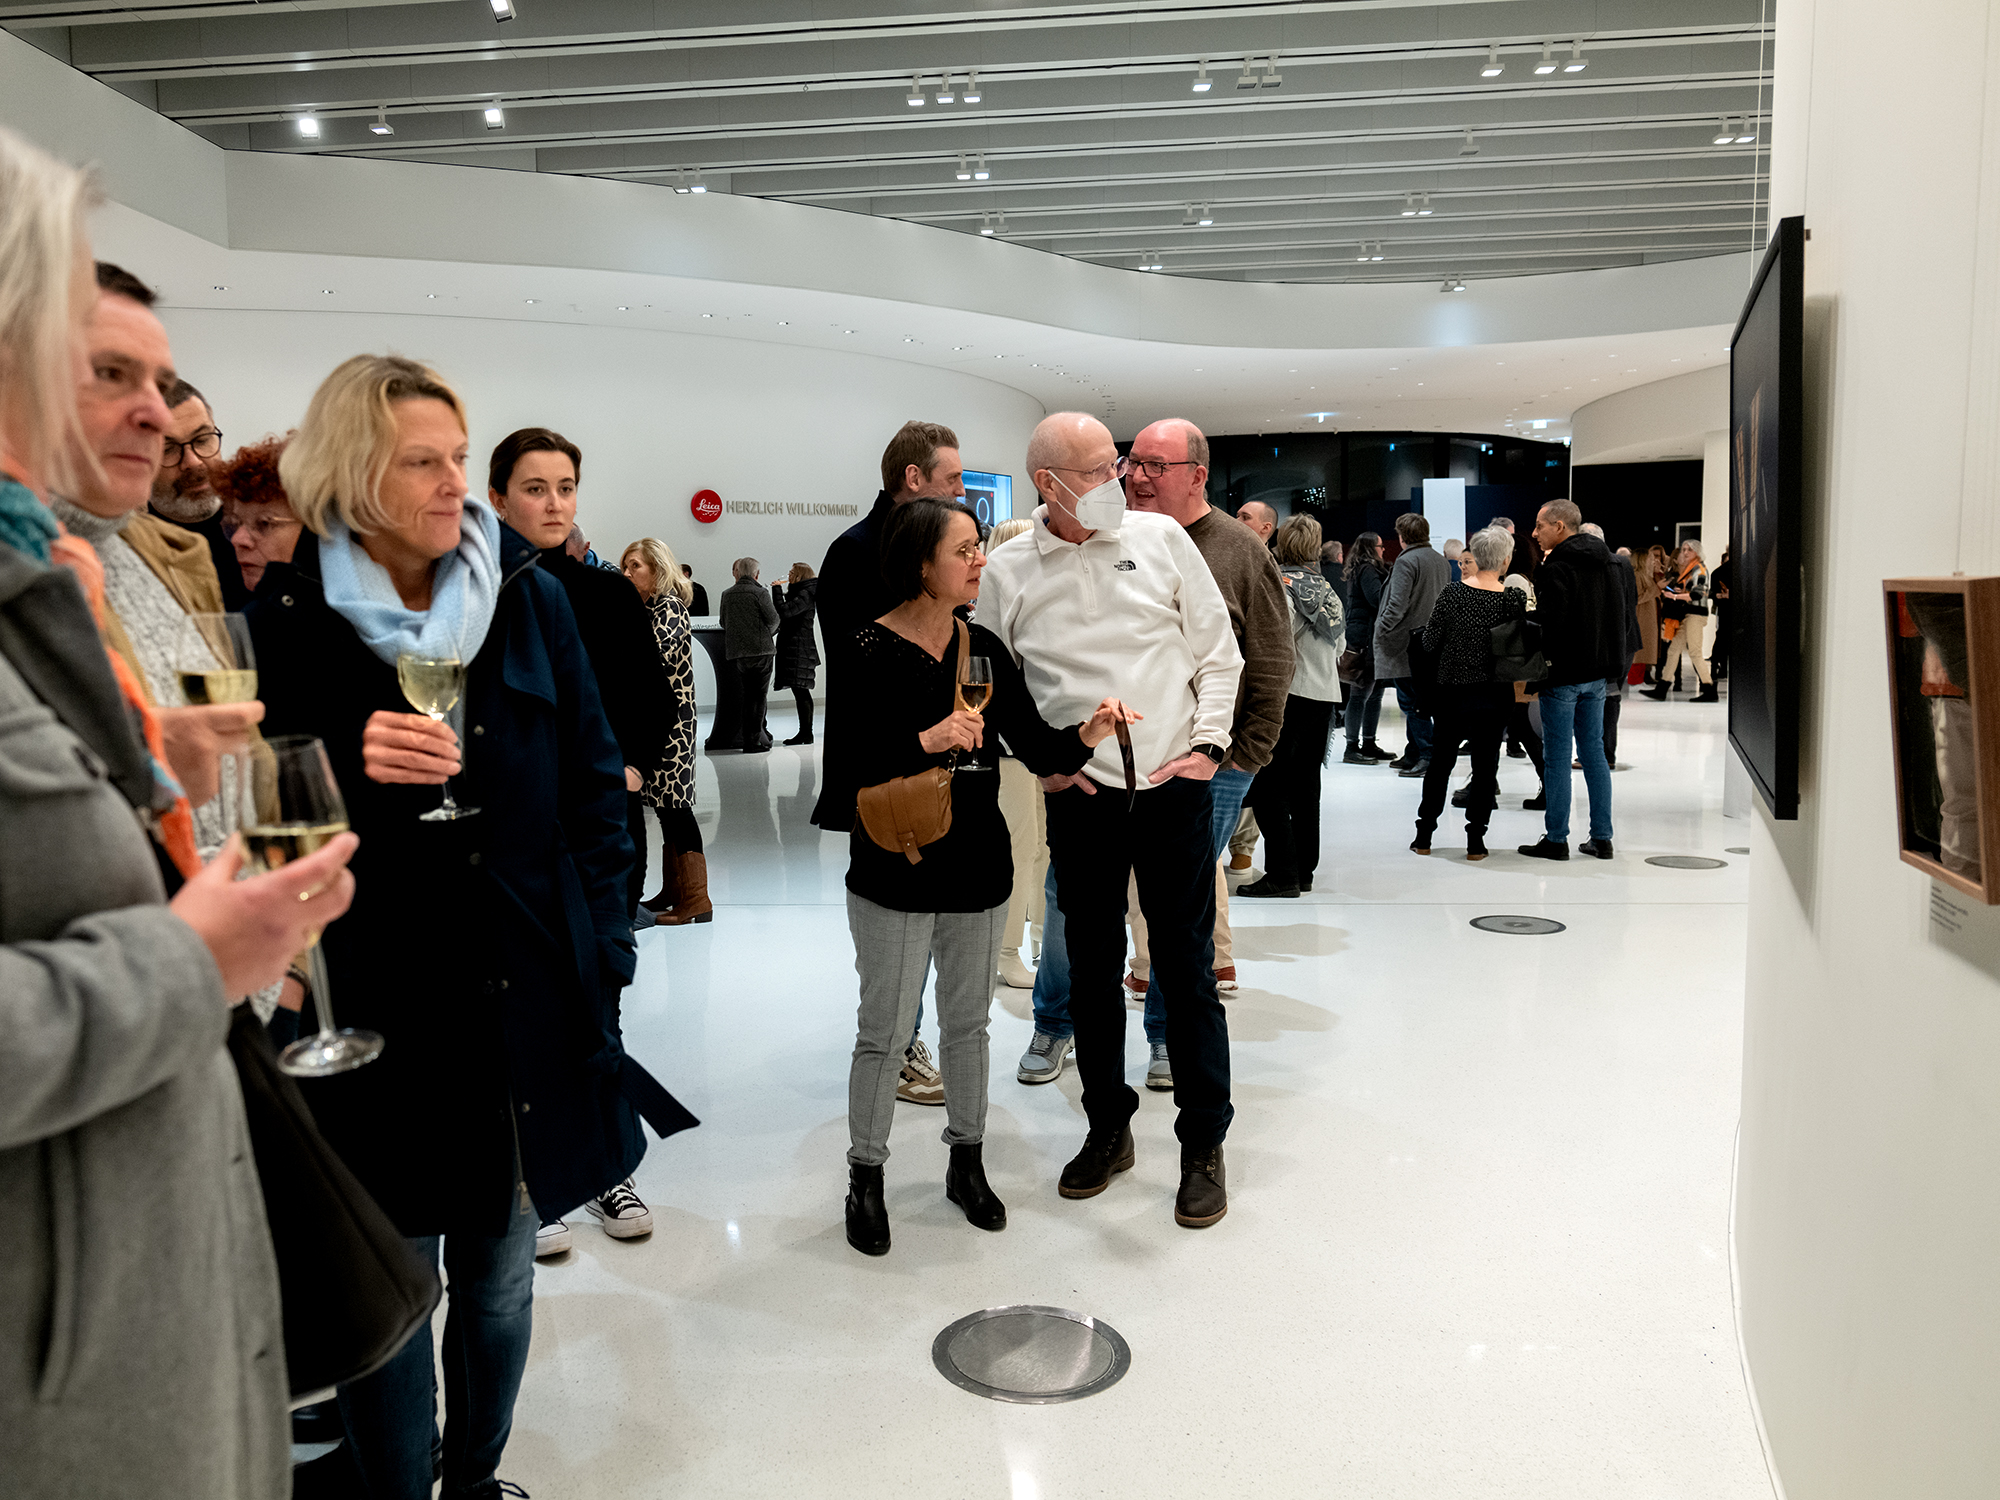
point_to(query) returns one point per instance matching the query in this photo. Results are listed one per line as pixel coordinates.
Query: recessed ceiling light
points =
(326, 291)
(430, 296)
(624, 308)
(219, 289)
(850, 330)
(784, 322)
(908, 340)
(708, 315)
(530, 301)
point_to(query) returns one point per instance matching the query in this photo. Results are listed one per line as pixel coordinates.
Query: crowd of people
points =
(1046, 747)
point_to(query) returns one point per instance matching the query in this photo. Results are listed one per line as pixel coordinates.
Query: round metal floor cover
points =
(1744, 850)
(1034, 1356)
(1686, 861)
(1518, 926)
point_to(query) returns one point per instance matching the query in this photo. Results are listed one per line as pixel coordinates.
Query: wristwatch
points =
(1214, 752)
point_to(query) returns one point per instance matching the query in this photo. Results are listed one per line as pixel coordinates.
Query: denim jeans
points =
(1417, 723)
(391, 1416)
(1051, 996)
(1364, 713)
(1573, 722)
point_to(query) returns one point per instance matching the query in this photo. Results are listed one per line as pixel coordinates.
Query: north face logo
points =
(1126, 565)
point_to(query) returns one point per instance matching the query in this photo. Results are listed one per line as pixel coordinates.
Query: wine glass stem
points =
(322, 989)
(447, 805)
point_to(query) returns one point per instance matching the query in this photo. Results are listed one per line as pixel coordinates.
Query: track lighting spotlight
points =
(946, 94)
(1205, 217)
(697, 186)
(1423, 205)
(1725, 132)
(1471, 147)
(1494, 67)
(309, 127)
(381, 125)
(1187, 219)
(1378, 251)
(916, 96)
(1453, 284)
(496, 118)
(1201, 78)
(1747, 134)
(971, 94)
(503, 10)
(1409, 205)
(1576, 63)
(979, 172)
(1247, 79)
(1548, 63)
(964, 170)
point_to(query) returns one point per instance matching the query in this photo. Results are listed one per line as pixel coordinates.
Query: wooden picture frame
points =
(1944, 721)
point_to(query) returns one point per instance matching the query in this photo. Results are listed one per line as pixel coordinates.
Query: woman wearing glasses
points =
(262, 527)
(948, 906)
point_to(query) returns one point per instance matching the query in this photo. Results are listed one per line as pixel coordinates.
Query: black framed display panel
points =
(1766, 453)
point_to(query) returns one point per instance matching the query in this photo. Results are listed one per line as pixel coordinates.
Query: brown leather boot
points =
(670, 886)
(691, 872)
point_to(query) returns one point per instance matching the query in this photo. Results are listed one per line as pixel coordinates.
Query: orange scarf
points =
(176, 825)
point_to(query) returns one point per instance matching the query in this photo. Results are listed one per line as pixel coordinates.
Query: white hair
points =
(1490, 549)
(43, 207)
(1591, 528)
(742, 568)
(1693, 546)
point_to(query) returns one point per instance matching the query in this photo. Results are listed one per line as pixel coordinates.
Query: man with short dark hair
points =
(1581, 609)
(920, 463)
(750, 646)
(184, 489)
(1419, 576)
(699, 605)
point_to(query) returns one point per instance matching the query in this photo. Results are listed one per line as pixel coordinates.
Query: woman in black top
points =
(1471, 708)
(798, 653)
(948, 907)
(1364, 576)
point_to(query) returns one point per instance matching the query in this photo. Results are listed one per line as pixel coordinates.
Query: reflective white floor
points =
(1477, 1241)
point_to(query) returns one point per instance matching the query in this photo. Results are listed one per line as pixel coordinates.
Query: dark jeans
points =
(1165, 839)
(1364, 712)
(1474, 717)
(1420, 729)
(753, 673)
(1285, 795)
(1614, 701)
(635, 824)
(391, 1416)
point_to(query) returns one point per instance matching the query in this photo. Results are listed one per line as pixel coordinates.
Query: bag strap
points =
(964, 648)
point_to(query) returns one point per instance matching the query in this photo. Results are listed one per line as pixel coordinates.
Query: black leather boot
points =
(867, 1219)
(1204, 1194)
(965, 1185)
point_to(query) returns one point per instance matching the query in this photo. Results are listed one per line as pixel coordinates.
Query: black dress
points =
(899, 690)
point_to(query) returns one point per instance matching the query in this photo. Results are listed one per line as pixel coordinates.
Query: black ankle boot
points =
(965, 1185)
(867, 1219)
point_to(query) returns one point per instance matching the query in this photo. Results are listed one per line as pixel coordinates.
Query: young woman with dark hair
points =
(1365, 574)
(947, 906)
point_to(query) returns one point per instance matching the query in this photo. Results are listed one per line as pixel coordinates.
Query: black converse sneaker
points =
(621, 1212)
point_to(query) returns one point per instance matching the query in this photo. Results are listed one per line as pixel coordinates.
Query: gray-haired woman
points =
(1471, 707)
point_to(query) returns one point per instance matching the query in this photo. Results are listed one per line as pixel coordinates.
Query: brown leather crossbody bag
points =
(909, 812)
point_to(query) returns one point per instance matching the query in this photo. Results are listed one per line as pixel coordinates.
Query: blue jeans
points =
(391, 1416)
(1573, 723)
(1417, 723)
(1051, 998)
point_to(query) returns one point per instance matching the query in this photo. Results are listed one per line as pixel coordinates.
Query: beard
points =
(187, 505)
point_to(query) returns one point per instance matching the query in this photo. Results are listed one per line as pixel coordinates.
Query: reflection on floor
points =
(1477, 1242)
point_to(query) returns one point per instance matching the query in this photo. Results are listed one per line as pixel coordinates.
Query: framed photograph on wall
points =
(1766, 455)
(1944, 715)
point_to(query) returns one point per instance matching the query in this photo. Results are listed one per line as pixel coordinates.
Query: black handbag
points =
(1517, 652)
(354, 1290)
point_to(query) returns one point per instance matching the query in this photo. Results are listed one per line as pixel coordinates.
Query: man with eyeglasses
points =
(184, 485)
(1103, 601)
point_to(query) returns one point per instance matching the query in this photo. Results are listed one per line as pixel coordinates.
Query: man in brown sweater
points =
(1167, 473)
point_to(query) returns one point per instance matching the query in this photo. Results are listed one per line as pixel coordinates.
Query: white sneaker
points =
(551, 1239)
(1043, 1061)
(1159, 1072)
(621, 1212)
(1014, 973)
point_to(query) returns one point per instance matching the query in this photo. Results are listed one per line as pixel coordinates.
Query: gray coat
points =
(141, 1347)
(1419, 576)
(749, 620)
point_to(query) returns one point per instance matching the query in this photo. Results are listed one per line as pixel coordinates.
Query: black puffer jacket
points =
(1581, 607)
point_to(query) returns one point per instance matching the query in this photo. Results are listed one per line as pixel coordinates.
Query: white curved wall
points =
(1867, 1211)
(1664, 419)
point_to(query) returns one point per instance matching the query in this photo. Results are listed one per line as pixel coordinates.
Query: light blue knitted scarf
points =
(463, 593)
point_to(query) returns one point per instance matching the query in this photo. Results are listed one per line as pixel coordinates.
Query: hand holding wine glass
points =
(215, 665)
(434, 685)
(975, 695)
(254, 927)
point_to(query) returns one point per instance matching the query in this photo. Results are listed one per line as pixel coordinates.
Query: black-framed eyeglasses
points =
(202, 445)
(1152, 468)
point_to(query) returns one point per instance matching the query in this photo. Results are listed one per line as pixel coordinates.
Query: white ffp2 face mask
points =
(1100, 509)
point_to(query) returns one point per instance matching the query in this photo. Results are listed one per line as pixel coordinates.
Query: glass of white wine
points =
(214, 662)
(295, 808)
(975, 692)
(434, 684)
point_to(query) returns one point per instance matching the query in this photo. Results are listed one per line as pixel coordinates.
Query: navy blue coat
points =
(489, 951)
